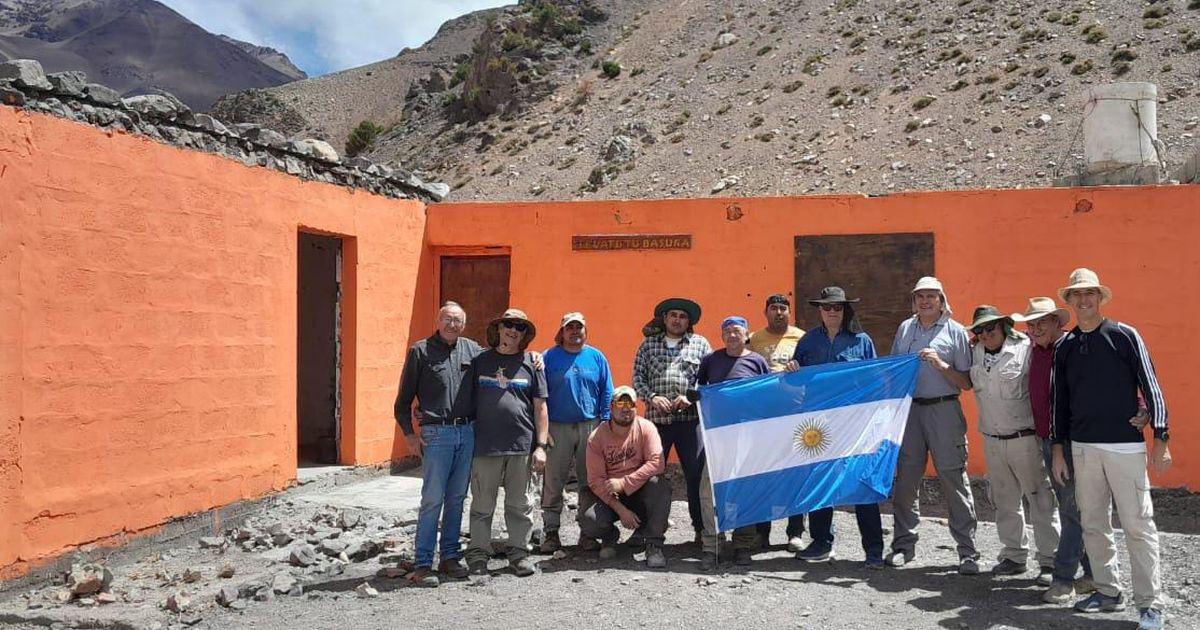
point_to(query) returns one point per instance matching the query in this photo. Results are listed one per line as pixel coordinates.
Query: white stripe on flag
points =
(752, 448)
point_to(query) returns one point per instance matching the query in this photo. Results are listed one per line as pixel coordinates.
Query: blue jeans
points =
(447, 462)
(1070, 552)
(870, 528)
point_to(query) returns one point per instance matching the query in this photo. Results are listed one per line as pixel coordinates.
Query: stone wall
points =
(166, 119)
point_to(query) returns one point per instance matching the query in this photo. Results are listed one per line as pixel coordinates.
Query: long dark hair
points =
(850, 320)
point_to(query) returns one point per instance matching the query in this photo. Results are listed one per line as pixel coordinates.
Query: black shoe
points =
(708, 562)
(816, 552)
(522, 567)
(477, 567)
(453, 569)
(742, 557)
(698, 540)
(1009, 567)
(636, 543)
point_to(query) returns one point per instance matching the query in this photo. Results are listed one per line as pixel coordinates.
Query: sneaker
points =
(795, 544)
(655, 558)
(1059, 593)
(1045, 576)
(708, 562)
(423, 577)
(874, 563)
(1151, 619)
(522, 567)
(589, 544)
(742, 557)
(816, 552)
(1085, 585)
(1099, 602)
(477, 567)
(608, 552)
(551, 543)
(452, 569)
(898, 558)
(968, 566)
(1007, 566)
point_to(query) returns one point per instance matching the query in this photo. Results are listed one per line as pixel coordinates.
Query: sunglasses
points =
(986, 328)
(517, 326)
(832, 308)
(624, 403)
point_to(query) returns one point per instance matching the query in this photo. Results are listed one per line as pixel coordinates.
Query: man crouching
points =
(624, 464)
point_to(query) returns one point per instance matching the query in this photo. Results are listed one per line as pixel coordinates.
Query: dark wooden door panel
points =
(881, 269)
(480, 285)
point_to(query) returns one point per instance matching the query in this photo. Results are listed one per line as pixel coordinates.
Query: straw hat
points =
(1040, 307)
(1084, 278)
(512, 314)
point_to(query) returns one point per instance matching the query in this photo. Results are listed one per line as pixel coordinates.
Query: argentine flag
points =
(795, 442)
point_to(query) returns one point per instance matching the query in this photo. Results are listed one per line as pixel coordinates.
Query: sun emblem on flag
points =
(811, 436)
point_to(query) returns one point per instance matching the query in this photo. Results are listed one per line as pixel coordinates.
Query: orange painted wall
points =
(997, 247)
(148, 337)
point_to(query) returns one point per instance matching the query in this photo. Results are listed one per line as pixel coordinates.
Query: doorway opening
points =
(319, 349)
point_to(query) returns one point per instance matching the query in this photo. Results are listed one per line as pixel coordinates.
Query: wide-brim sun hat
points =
(1040, 307)
(986, 314)
(679, 304)
(512, 314)
(833, 295)
(1084, 278)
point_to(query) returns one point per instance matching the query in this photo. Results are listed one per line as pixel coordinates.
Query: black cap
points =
(778, 298)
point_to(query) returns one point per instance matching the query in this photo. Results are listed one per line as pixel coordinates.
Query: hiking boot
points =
(708, 562)
(795, 544)
(477, 567)
(1059, 593)
(968, 566)
(551, 543)
(875, 563)
(1151, 619)
(521, 567)
(608, 551)
(589, 544)
(816, 552)
(423, 577)
(1045, 576)
(1099, 602)
(1085, 585)
(655, 558)
(742, 557)
(453, 569)
(898, 558)
(1009, 567)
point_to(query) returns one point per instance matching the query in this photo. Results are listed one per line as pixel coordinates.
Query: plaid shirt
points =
(660, 370)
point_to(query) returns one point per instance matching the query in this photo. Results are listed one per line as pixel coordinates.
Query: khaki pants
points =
(1016, 472)
(708, 513)
(488, 475)
(1102, 478)
(570, 448)
(939, 430)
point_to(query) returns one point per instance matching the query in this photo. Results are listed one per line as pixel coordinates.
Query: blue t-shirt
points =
(580, 385)
(817, 348)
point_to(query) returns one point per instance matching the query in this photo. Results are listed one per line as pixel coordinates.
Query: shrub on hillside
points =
(361, 137)
(610, 69)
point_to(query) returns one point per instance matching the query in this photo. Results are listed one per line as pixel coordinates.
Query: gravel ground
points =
(777, 591)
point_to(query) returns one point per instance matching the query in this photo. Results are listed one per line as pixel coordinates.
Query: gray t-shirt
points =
(503, 387)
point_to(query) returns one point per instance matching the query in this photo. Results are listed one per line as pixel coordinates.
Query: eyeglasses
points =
(624, 403)
(986, 328)
(831, 308)
(517, 326)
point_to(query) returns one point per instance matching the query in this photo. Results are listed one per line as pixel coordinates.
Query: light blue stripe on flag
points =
(793, 443)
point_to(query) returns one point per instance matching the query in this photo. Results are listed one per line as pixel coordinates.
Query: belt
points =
(1012, 436)
(934, 401)
(452, 422)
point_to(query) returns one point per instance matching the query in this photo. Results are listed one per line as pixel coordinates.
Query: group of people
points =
(1061, 418)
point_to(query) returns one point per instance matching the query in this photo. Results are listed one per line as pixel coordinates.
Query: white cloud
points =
(323, 36)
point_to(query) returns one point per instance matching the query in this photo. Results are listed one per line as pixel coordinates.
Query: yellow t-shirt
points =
(776, 349)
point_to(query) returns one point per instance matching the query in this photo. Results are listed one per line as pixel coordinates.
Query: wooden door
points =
(881, 269)
(480, 285)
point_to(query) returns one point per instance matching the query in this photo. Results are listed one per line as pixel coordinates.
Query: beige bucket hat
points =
(1040, 307)
(1084, 278)
(930, 283)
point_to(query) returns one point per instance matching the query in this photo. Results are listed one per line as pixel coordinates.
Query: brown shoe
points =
(423, 576)
(453, 569)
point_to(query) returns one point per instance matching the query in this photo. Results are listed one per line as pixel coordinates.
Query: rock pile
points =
(166, 119)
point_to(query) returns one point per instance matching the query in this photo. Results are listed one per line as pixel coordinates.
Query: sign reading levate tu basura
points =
(606, 242)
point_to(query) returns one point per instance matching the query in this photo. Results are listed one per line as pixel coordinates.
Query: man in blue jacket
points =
(580, 386)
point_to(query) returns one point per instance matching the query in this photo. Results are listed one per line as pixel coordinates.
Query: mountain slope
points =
(132, 46)
(770, 97)
(269, 56)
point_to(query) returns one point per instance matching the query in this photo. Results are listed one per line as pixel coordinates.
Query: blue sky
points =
(322, 36)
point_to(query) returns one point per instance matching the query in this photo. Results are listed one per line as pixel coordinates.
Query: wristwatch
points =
(1163, 435)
